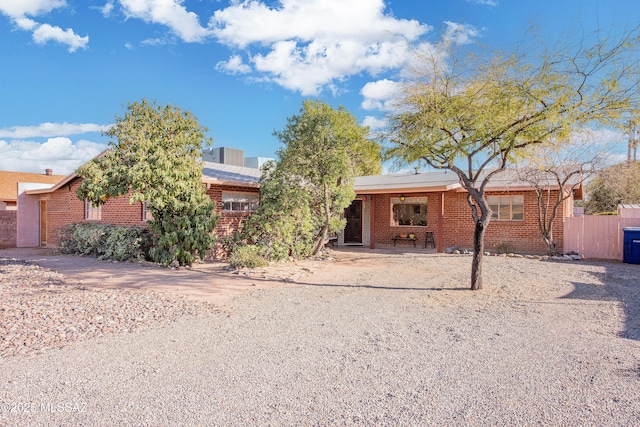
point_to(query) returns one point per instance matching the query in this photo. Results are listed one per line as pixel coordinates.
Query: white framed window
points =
(92, 212)
(239, 202)
(409, 211)
(146, 212)
(506, 208)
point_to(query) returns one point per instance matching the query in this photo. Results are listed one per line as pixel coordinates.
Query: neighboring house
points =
(233, 188)
(390, 205)
(12, 186)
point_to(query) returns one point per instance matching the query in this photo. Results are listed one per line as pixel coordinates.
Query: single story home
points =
(233, 188)
(12, 186)
(433, 207)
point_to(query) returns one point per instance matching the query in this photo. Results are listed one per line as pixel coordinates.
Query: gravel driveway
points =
(367, 338)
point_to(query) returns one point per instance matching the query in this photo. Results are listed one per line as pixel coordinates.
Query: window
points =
(146, 212)
(92, 212)
(506, 208)
(239, 202)
(411, 211)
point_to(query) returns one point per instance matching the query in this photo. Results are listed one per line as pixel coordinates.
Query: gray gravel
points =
(40, 310)
(367, 339)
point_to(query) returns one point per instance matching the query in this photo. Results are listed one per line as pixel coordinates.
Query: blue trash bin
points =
(631, 253)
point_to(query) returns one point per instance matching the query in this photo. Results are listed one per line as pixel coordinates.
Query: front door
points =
(43, 223)
(353, 230)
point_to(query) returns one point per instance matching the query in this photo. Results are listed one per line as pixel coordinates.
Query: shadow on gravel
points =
(391, 288)
(620, 282)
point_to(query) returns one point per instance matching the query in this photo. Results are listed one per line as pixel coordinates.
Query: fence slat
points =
(595, 236)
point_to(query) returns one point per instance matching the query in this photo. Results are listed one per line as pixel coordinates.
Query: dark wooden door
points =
(353, 215)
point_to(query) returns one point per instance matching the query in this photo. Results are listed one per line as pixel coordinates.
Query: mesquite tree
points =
(555, 175)
(475, 116)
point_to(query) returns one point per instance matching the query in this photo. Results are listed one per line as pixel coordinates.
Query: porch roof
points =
(425, 182)
(415, 182)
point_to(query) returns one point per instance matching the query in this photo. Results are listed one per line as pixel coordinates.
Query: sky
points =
(69, 67)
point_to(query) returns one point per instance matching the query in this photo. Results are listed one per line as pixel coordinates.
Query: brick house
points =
(233, 188)
(388, 206)
(12, 186)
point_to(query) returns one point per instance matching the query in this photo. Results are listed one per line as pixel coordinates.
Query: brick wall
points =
(229, 221)
(8, 221)
(523, 236)
(63, 207)
(383, 229)
(458, 226)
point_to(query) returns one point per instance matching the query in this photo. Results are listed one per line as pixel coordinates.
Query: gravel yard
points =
(367, 338)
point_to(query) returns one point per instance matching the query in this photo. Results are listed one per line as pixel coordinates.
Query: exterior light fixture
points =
(402, 197)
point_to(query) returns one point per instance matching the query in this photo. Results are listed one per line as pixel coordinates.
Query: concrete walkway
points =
(211, 281)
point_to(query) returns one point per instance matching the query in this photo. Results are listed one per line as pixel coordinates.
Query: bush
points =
(247, 256)
(504, 248)
(105, 241)
(232, 242)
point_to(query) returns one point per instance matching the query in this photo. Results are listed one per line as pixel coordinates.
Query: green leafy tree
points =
(283, 225)
(303, 198)
(612, 186)
(474, 117)
(155, 159)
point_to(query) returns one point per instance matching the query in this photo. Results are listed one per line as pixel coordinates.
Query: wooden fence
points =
(597, 236)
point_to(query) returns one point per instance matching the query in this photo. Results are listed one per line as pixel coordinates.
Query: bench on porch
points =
(405, 238)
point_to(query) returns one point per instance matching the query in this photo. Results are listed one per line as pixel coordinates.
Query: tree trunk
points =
(547, 238)
(322, 235)
(478, 253)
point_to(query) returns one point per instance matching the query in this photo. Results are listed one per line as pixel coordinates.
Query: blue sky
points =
(241, 67)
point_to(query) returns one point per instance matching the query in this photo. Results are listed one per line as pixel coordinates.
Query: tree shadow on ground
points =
(619, 282)
(387, 288)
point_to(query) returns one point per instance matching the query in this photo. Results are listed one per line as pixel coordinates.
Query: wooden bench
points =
(408, 239)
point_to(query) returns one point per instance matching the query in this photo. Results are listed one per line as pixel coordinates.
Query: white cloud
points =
(18, 10)
(374, 123)
(107, 9)
(59, 154)
(170, 13)
(234, 65)
(484, 2)
(46, 32)
(378, 95)
(306, 45)
(49, 129)
(460, 33)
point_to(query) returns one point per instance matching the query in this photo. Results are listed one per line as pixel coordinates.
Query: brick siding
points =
(63, 207)
(458, 226)
(8, 229)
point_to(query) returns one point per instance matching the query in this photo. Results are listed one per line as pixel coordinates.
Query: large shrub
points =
(105, 241)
